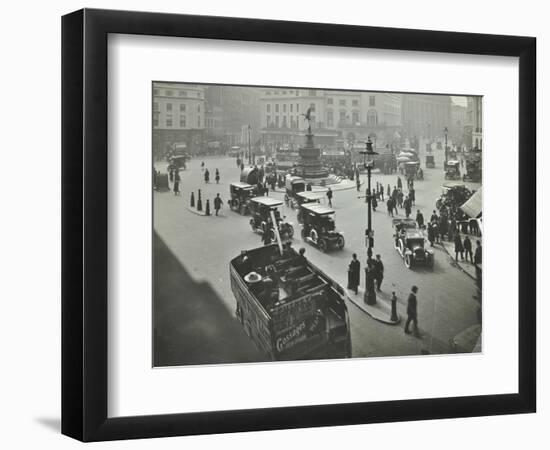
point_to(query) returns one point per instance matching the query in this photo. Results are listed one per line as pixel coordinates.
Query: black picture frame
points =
(84, 224)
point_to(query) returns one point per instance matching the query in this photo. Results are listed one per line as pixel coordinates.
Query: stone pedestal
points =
(310, 164)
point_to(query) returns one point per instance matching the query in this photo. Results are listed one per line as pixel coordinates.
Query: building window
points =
(355, 102)
(169, 93)
(168, 121)
(276, 107)
(268, 108)
(284, 108)
(168, 106)
(330, 101)
(277, 121)
(198, 121)
(268, 93)
(182, 107)
(312, 93)
(291, 107)
(297, 107)
(155, 92)
(283, 92)
(372, 100)
(155, 121)
(183, 93)
(267, 120)
(198, 108)
(155, 106)
(342, 102)
(183, 122)
(372, 117)
(312, 106)
(330, 118)
(355, 117)
(342, 116)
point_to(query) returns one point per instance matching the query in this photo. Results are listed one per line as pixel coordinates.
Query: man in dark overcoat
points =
(378, 271)
(218, 202)
(412, 312)
(419, 219)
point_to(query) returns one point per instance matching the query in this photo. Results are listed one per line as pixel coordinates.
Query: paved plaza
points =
(204, 245)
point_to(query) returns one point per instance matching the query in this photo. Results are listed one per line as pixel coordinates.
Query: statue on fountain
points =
(308, 117)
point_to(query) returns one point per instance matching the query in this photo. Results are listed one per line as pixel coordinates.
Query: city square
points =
(197, 245)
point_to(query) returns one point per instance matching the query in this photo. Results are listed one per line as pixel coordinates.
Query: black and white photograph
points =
(301, 223)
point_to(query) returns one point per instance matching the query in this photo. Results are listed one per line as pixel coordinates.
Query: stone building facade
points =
(178, 116)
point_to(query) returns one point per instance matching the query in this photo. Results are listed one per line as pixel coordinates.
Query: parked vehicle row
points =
(317, 220)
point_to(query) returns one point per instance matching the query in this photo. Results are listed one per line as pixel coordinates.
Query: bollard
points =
(393, 317)
(192, 199)
(199, 202)
(207, 210)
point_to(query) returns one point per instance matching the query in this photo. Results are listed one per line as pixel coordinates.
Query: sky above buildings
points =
(461, 101)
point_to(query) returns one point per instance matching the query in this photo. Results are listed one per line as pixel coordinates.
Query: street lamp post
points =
(446, 131)
(370, 293)
(249, 151)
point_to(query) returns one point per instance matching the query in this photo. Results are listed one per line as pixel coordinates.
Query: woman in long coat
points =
(354, 271)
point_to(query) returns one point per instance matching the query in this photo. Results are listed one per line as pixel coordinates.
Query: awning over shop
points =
(473, 207)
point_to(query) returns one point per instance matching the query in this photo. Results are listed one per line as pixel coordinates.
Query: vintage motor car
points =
(473, 167)
(319, 227)
(413, 171)
(234, 152)
(409, 243)
(178, 162)
(293, 185)
(265, 214)
(454, 194)
(430, 161)
(452, 170)
(308, 197)
(241, 193)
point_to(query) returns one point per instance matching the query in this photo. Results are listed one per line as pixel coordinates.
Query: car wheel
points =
(304, 234)
(252, 225)
(408, 261)
(242, 210)
(290, 231)
(340, 242)
(401, 247)
(323, 245)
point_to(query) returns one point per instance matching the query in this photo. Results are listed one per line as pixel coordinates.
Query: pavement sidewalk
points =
(465, 266)
(380, 311)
